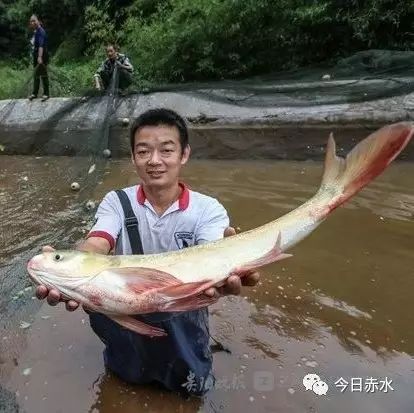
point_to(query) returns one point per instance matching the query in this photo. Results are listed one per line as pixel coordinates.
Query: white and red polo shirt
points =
(191, 220)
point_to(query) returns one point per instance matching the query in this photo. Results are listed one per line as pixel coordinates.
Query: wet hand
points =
(234, 283)
(53, 296)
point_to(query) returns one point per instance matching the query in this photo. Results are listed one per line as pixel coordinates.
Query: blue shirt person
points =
(40, 58)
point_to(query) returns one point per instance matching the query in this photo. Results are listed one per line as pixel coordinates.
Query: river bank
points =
(230, 126)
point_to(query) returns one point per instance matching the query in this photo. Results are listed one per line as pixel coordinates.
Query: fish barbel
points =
(124, 285)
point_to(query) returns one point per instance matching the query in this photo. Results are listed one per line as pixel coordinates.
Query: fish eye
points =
(58, 257)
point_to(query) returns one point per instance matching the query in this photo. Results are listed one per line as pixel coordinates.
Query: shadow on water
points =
(340, 307)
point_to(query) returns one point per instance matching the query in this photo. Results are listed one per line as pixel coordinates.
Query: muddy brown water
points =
(341, 307)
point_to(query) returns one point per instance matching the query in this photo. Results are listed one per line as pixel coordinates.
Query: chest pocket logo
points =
(184, 239)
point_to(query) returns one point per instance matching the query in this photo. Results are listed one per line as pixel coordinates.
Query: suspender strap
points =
(131, 223)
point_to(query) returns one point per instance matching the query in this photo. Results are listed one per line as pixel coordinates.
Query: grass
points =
(69, 79)
(14, 82)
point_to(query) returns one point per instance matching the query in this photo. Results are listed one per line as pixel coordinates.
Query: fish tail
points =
(343, 178)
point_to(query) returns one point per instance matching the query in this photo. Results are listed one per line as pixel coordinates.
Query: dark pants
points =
(181, 361)
(40, 72)
(124, 79)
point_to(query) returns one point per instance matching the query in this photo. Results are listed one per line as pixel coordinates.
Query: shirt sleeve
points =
(41, 39)
(101, 68)
(108, 221)
(128, 63)
(212, 224)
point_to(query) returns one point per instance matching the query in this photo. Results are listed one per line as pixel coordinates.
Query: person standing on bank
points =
(40, 57)
(115, 60)
(160, 214)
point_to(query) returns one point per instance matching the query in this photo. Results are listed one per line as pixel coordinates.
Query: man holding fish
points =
(170, 217)
(169, 278)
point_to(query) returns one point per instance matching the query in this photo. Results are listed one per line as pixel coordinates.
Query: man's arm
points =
(94, 244)
(97, 75)
(40, 55)
(41, 45)
(126, 64)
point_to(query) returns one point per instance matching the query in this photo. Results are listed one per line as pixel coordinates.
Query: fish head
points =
(59, 269)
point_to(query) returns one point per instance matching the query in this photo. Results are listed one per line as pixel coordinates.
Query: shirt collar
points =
(183, 200)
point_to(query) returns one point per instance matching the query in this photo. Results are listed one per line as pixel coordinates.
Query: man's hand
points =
(53, 296)
(96, 81)
(40, 60)
(234, 283)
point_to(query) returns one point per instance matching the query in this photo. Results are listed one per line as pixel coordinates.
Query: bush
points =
(185, 40)
(15, 83)
(189, 39)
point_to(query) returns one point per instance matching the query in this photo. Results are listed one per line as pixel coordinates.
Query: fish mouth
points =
(55, 279)
(40, 277)
(35, 273)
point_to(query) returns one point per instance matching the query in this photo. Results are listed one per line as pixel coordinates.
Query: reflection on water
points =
(340, 307)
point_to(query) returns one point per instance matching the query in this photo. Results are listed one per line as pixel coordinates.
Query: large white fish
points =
(121, 286)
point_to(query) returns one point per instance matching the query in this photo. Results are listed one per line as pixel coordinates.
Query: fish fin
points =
(141, 279)
(185, 290)
(345, 177)
(275, 254)
(190, 303)
(137, 326)
(334, 165)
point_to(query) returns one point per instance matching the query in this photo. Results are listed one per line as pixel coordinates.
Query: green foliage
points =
(72, 79)
(99, 28)
(13, 24)
(14, 82)
(183, 40)
(196, 39)
(69, 79)
(68, 50)
(379, 23)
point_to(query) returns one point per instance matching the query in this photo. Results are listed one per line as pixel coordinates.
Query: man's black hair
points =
(157, 117)
(114, 45)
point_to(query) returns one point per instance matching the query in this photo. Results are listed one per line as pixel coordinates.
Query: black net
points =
(50, 196)
(365, 76)
(81, 127)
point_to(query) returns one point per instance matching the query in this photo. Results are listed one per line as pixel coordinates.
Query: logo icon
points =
(184, 239)
(313, 382)
(320, 388)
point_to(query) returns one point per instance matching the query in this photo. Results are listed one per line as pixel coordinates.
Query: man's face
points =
(33, 22)
(110, 52)
(157, 155)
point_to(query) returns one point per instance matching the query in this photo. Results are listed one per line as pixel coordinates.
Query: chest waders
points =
(180, 361)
